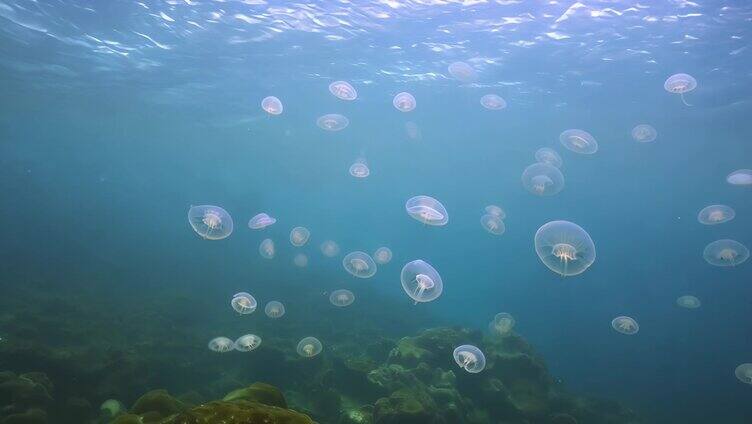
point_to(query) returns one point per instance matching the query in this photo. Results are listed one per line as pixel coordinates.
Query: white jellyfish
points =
(274, 309)
(715, 214)
(625, 325)
(421, 281)
(343, 90)
(740, 177)
(470, 358)
(210, 222)
(300, 260)
(496, 211)
(247, 343)
(542, 179)
(462, 71)
(359, 264)
(332, 122)
(725, 252)
(549, 156)
(329, 248)
(744, 373)
(680, 84)
(272, 105)
(502, 324)
(382, 255)
(579, 141)
(266, 249)
(493, 224)
(427, 210)
(359, 169)
(342, 298)
(243, 303)
(688, 301)
(309, 347)
(644, 133)
(299, 236)
(564, 247)
(221, 344)
(261, 221)
(404, 102)
(493, 102)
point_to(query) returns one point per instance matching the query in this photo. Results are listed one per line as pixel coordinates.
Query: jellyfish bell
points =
(329, 248)
(243, 303)
(548, 156)
(343, 90)
(744, 373)
(421, 281)
(644, 133)
(382, 255)
(493, 102)
(272, 105)
(332, 122)
(247, 343)
(274, 309)
(341, 298)
(542, 179)
(715, 214)
(299, 236)
(625, 325)
(579, 141)
(470, 358)
(725, 252)
(261, 221)
(300, 260)
(740, 177)
(680, 84)
(221, 344)
(309, 347)
(266, 249)
(564, 247)
(427, 210)
(404, 102)
(688, 301)
(462, 71)
(210, 222)
(502, 324)
(359, 264)
(493, 224)
(359, 169)
(496, 211)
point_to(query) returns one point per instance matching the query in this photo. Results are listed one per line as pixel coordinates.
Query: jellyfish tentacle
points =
(682, 99)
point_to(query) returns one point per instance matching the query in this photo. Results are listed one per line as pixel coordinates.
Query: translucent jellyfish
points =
(382, 255)
(221, 344)
(549, 156)
(725, 252)
(493, 224)
(744, 373)
(332, 122)
(266, 249)
(261, 221)
(274, 309)
(741, 177)
(243, 303)
(343, 90)
(715, 214)
(247, 343)
(210, 222)
(579, 141)
(502, 324)
(329, 248)
(272, 105)
(299, 236)
(300, 260)
(470, 358)
(359, 264)
(404, 102)
(680, 84)
(359, 169)
(496, 210)
(421, 281)
(427, 210)
(625, 325)
(644, 133)
(342, 297)
(462, 71)
(542, 179)
(689, 302)
(493, 102)
(564, 247)
(309, 347)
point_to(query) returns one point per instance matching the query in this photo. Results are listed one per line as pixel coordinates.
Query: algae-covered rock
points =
(362, 415)
(406, 406)
(238, 412)
(31, 416)
(128, 419)
(159, 402)
(259, 392)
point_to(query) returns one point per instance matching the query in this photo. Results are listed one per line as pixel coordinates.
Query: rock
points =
(238, 412)
(31, 416)
(259, 392)
(159, 402)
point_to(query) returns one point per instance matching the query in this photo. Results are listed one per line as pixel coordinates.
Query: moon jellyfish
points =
(689, 302)
(744, 373)
(404, 102)
(427, 210)
(329, 248)
(272, 105)
(343, 90)
(542, 179)
(221, 344)
(309, 347)
(247, 343)
(266, 249)
(741, 177)
(382, 255)
(725, 252)
(342, 297)
(493, 102)
(299, 236)
(210, 222)
(261, 221)
(644, 133)
(625, 325)
(680, 84)
(462, 71)
(332, 122)
(243, 303)
(549, 156)
(359, 264)
(579, 141)
(274, 309)
(493, 224)
(470, 358)
(359, 169)
(715, 214)
(564, 247)
(300, 260)
(502, 324)
(421, 281)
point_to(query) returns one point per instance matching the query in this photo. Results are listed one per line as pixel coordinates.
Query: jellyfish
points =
(496, 211)
(493, 224)
(470, 358)
(404, 102)
(261, 221)
(266, 249)
(744, 373)
(502, 324)
(689, 302)
(343, 90)
(680, 84)
(210, 222)
(715, 214)
(725, 252)
(740, 177)
(359, 264)
(332, 122)
(247, 343)
(625, 325)
(300, 260)
(299, 236)
(549, 156)
(329, 248)
(427, 210)
(221, 344)
(564, 247)
(243, 303)
(493, 102)
(274, 309)
(421, 281)
(272, 105)
(462, 71)
(382, 255)
(644, 133)
(542, 179)
(579, 141)
(342, 297)
(309, 347)
(359, 169)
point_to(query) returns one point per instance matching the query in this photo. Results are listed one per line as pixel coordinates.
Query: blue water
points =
(115, 119)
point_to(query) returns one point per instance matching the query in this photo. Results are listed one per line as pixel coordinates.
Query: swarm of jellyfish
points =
(243, 303)
(309, 347)
(564, 247)
(210, 222)
(359, 264)
(274, 309)
(470, 358)
(421, 281)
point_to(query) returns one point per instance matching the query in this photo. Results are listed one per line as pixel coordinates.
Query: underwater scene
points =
(375, 212)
